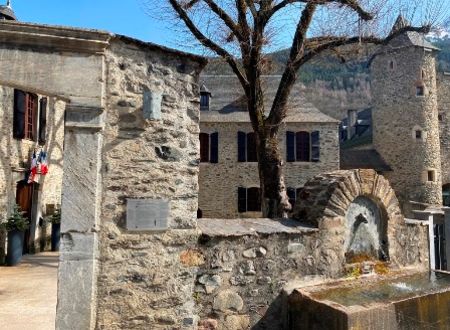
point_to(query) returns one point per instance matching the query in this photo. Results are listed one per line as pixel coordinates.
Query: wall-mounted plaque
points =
(147, 214)
(152, 105)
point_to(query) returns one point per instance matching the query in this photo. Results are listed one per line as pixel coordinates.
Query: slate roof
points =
(409, 38)
(7, 13)
(228, 102)
(364, 158)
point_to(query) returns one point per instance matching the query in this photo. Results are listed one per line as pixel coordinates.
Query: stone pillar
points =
(80, 215)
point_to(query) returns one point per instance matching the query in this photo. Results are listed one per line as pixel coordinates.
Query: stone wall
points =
(443, 84)
(398, 113)
(145, 277)
(218, 196)
(16, 161)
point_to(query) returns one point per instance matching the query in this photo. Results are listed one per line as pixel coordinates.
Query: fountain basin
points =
(396, 302)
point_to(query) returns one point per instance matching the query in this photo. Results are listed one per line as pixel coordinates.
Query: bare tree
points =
(240, 30)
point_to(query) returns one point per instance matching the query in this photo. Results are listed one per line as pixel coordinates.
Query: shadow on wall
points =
(275, 317)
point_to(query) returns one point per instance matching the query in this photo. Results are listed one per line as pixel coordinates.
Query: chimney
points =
(352, 119)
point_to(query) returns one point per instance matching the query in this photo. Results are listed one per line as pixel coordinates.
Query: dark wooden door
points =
(24, 198)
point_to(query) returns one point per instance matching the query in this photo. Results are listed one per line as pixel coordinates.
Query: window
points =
(423, 74)
(418, 135)
(440, 117)
(303, 146)
(249, 199)
(247, 147)
(446, 194)
(420, 91)
(199, 214)
(209, 148)
(25, 115)
(431, 176)
(293, 195)
(204, 101)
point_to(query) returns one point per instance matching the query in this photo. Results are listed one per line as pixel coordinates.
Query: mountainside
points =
(333, 86)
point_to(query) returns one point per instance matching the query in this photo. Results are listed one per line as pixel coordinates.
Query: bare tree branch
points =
(205, 41)
(226, 19)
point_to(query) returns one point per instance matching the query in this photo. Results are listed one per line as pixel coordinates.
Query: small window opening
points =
(391, 65)
(419, 134)
(420, 91)
(199, 214)
(423, 74)
(440, 117)
(431, 176)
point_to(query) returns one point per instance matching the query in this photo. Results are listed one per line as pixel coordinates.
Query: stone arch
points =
(327, 196)
(325, 200)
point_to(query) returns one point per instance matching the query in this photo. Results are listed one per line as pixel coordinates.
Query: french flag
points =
(33, 169)
(43, 163)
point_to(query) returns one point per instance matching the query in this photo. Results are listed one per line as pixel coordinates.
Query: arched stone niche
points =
(355, 210)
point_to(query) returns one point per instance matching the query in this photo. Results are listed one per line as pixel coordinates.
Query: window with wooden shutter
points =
(204, 147)
(315, 146)
(214, 157)
(242, 200)
(290, 146)
(253, 200)
(251, 147)
(42, 120)
(30, 116)
(303, 146)
(242, 138)
(19, 114)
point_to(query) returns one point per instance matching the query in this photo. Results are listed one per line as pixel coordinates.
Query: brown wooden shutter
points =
(204, 147)
(19, 114)
(42, 121)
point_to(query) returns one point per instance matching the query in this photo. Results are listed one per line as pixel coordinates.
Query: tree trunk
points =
(274, 201)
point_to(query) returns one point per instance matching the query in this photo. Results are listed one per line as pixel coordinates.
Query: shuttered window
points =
(25, 115)
(302, 146)
(42, 120)
(209, 148)
(251, 148)
(315, 146)
(204, 147)
(247, 147)
(249, 199)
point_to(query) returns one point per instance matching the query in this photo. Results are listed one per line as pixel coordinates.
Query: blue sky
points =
(123, 17)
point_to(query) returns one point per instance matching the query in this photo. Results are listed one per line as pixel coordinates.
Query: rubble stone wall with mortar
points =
(443, 84)
(16, 154)
(218, 196)
(397, 112)
(147, 278)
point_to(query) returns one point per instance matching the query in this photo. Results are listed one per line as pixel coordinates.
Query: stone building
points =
(32, 127)
(405, 133)
(229, 180)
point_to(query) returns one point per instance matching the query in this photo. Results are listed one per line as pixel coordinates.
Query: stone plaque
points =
(147, 214)
(152, 105)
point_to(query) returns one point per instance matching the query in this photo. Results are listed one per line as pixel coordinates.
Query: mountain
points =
(335, 87)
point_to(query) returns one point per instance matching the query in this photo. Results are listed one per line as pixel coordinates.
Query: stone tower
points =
(6, 12)
(405, 117)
